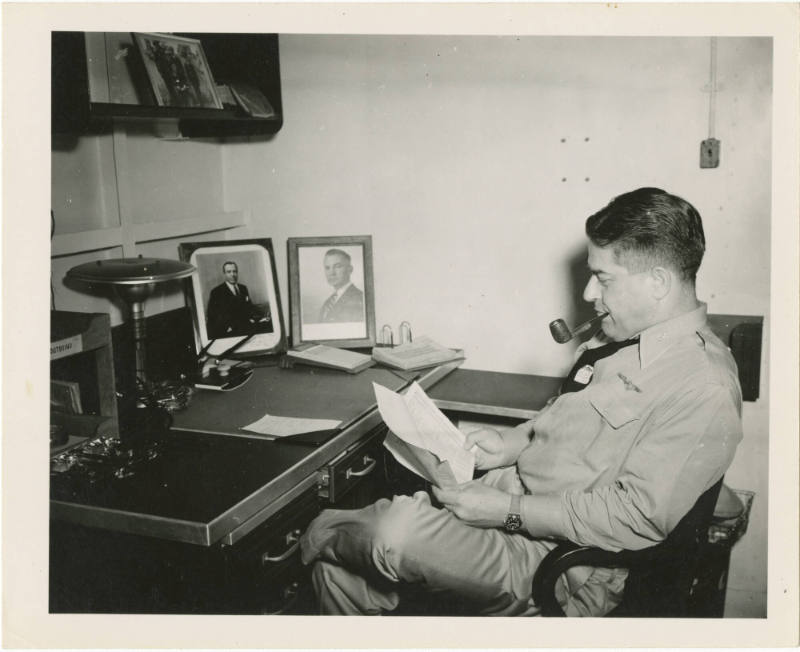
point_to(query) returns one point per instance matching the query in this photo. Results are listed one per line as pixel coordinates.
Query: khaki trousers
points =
(362, 556)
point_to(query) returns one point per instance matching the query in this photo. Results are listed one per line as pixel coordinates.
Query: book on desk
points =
(321, 355)
(423, 352)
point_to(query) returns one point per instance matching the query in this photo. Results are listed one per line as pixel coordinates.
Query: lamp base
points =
(143, 426)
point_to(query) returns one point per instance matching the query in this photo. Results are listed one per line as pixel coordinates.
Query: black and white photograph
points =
(235, 295)
(594, 207)
(178, 71)
(332, 290)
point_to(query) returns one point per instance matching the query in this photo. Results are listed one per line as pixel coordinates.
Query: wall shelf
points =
(95, 82)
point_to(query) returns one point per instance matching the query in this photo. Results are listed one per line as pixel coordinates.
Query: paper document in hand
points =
(415, 420)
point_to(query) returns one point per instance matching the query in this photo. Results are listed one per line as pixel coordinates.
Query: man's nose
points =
(592, 290)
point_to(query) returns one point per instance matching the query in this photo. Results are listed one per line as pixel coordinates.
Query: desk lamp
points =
(133, 279)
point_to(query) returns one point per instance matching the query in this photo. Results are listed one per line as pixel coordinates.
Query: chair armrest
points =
(568, 554)
(671, 559)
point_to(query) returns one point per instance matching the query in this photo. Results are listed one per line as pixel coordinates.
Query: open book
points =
(422, 438)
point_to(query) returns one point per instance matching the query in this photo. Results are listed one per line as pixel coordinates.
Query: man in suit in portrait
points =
(230, 310)
(346, 304)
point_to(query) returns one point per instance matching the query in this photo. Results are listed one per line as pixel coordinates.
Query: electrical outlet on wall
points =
(709, 153)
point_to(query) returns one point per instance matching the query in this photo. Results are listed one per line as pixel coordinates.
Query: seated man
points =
(231, 313)
(654, 422)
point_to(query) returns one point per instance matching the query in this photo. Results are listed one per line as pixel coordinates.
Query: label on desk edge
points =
(65, 347)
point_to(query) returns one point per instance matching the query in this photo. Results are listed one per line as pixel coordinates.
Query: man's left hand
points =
(475, 503)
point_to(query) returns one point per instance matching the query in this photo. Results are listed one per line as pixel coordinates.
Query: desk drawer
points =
(363, 460)
(265, 571)
(275, 540)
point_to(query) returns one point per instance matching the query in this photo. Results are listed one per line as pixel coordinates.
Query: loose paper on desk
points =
(285, 426)
(416, 421)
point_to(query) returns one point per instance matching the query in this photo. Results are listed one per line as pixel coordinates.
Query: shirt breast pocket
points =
(616, 404)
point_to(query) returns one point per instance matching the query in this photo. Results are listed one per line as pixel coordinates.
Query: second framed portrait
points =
(331, 291)
(234, 296)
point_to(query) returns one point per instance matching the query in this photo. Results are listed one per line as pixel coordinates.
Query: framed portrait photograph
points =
(178, 71)
(331, 291)
(234, 297)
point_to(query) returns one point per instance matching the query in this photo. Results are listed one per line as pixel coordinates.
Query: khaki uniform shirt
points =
(631, 453)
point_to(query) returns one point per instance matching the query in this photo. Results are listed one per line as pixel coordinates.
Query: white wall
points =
(448, 150)
(452, 152)
(116, 181)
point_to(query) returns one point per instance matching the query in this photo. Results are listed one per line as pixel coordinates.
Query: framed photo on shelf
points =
(331, 291)
(178, 71)
(234, 297)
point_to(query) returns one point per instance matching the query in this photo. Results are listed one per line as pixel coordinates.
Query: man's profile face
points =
(624, 295)
(337, 270)
(231, 273)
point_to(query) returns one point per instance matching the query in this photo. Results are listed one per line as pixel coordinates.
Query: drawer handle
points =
(290, 594)
(370, 464)
(292, 540)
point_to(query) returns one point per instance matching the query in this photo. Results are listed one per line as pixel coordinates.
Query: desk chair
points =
(659, 584)
(660, 578)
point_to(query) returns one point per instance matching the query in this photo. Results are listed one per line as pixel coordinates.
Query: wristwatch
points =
(514, 518)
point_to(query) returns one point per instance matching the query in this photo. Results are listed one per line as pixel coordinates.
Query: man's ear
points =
(661, 282)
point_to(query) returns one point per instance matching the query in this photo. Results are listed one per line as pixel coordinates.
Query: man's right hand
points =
(489, 448)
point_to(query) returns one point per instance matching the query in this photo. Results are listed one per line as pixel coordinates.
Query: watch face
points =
(513, 522)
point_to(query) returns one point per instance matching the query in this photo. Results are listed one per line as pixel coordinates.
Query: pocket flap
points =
(616, 404)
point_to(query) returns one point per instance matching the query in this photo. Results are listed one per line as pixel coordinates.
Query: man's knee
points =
(376, 536)
(397, 527)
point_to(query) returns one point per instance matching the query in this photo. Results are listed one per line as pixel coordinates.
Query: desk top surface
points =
(207, 476)
(302, 391)
(203, 483)
(494, 393)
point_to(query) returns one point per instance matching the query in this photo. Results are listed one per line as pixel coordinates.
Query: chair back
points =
(660, 578)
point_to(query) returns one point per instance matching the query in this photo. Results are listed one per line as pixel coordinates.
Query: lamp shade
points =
(133, 279)
(130, 271)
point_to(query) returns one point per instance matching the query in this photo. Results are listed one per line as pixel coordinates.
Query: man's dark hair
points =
(648, 227)
(229, 262)
(338, 252)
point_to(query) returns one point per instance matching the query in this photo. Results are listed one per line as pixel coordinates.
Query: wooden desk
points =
(213, 482)
(211, 524)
